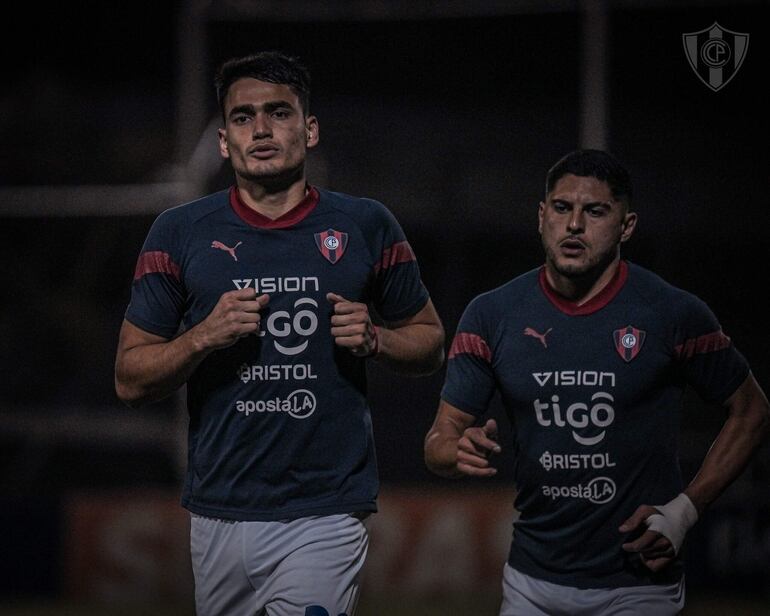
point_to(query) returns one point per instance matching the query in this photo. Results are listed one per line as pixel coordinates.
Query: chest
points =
(618, 356)
(284, 263)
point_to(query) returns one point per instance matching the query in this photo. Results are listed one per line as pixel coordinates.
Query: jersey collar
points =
(292, 217)
(596, 303)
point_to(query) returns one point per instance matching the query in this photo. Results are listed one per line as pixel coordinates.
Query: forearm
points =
(415, 349)
(151, 372)
(455, 448)
(741, 434)
(725, 461)
(441, 447)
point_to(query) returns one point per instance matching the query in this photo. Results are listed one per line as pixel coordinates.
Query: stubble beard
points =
(274, 178)
(590, 268)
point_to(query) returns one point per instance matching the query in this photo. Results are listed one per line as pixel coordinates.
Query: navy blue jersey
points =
(594, 396)
(279, 423)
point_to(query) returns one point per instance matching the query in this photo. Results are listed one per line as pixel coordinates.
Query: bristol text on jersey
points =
(282, 372)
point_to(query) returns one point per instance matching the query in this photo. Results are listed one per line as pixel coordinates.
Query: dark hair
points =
(270, 66)
(596, 164)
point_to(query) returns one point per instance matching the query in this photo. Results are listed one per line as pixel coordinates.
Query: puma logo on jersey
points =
(221, 246)
(541, 337)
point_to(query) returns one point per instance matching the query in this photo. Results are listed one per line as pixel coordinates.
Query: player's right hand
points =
(235, 315)
(475, 447)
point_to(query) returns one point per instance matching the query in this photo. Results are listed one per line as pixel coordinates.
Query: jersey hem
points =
(732, 387)
(273, 516)
(461, 405)
(585, 582)
(408, 312)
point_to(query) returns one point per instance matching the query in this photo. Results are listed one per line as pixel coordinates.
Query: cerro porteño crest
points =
(715, 54)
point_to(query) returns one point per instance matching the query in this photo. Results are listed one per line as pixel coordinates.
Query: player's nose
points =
(261, 126)
(576, 221)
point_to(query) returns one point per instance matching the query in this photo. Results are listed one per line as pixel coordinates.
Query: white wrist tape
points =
(674, 520)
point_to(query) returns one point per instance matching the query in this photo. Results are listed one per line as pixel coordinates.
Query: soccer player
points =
(258, 298)
(590, 355)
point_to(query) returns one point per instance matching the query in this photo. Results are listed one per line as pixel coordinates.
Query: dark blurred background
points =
(450, 113)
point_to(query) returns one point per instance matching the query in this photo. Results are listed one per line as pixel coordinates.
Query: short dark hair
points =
(596, 164)
(270, 66)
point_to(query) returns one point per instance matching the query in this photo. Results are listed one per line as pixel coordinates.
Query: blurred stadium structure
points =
(449, 113)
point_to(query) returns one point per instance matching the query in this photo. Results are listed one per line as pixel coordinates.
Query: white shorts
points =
(304, 567)
(527, 596)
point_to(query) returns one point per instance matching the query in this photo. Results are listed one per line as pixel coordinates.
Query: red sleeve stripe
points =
(470, 343)
(400, 252)
(154, 262)
(707, 343)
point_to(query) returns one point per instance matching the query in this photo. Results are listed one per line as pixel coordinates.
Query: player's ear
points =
(224, 150)
(540, 211)
(629, 224)
(311, 131)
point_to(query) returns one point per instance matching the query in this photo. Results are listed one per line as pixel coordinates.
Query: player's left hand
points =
(352, 328)
(655, 550)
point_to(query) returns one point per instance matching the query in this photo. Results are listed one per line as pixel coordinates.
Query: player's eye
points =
(241, 118)
(560, 207)
(281, 114)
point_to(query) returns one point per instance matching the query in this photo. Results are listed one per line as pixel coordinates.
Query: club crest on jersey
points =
(332, 244)
(628, 341)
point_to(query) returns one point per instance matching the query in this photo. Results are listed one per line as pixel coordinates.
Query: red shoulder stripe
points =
(156, 261)
(400, 252)
(708, 343)
(470, 343)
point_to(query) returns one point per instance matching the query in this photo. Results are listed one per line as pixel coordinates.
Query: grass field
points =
(484, 605)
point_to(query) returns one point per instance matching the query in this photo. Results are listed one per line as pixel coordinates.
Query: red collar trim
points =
(599, 301)
(292, 217)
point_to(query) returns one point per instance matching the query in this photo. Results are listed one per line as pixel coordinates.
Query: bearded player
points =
(591, 355)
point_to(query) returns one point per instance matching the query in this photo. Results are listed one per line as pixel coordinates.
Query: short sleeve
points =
(398, 288)
(707, 356)
(157, 293)
(470, 381)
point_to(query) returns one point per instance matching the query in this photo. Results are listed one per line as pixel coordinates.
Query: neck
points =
(272, 201)
(582, 288)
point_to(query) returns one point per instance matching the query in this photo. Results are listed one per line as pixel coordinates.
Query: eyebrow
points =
(268, 107)
(606, 204)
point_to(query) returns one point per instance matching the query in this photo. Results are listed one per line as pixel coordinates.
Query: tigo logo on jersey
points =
(628, 341)
(332, 244)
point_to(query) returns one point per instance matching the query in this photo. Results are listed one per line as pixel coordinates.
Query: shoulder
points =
(664, 296)
(498, 301)
(364, 211)
(173, 227)
(193, 211)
